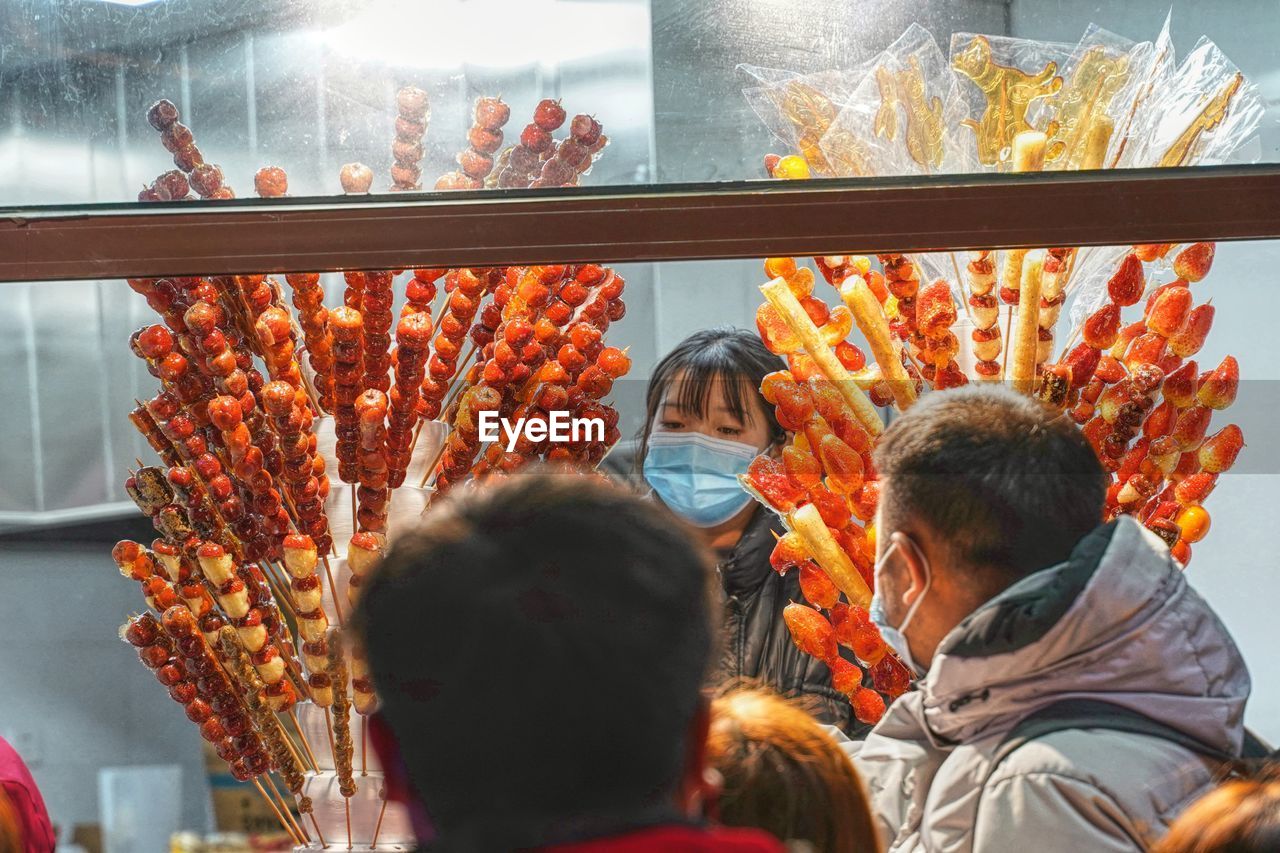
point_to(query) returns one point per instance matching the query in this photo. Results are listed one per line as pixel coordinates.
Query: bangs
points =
(692, 392)
(734, 358)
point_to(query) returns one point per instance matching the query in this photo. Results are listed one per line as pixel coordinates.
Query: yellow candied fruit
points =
(792, 167)
(861, 264)
(779, 267)
(870, 533)
(891, 307)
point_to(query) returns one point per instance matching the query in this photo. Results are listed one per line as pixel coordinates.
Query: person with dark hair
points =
(1074, 692)
(784, 773)
(539, 645)
(1241, 816)
(705, 421)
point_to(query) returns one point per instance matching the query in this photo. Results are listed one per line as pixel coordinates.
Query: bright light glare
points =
(130, 2)
(491, 33)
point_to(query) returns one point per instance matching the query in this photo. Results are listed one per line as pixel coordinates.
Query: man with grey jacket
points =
(997, 584)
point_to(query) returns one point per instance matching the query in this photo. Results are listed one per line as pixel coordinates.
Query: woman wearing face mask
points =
(706, 421)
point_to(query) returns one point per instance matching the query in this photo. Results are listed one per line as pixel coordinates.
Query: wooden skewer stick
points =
(431, 467)
(333, 589)
(459, 383)
(355, 523)
(378, 827)
(319, 834)
(346, 804)
(288, 812)
(284, 824)
(306, 745)
(288, 742)
(363, 745)
(328, 727)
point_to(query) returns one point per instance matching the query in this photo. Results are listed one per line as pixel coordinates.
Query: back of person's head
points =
(539, 644)
(784, 774)
(1007, 485)
(1241, 816)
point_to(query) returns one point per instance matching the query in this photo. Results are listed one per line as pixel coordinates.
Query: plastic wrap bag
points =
(1201, 116)
(1002, 80)
(1103, 78)
(905, 113)
(798, 109)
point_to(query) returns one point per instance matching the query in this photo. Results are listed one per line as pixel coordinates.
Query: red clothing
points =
(26, 802)
(695, 839)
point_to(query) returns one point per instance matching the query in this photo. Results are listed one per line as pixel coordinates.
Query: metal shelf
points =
(623, 224)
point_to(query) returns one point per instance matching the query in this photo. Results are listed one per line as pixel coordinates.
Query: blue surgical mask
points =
(896, 637)
(696, 475)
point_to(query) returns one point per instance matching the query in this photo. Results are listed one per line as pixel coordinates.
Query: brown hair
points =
(735, 357)
(570, 614)
(785, 775)
(1241, 816)
(1006, 483)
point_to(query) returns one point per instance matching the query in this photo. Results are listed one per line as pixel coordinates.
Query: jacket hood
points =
(1116, 622)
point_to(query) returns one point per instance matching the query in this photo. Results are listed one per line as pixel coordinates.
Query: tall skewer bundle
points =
(413, 113)
(1144, 409)
(240, 502)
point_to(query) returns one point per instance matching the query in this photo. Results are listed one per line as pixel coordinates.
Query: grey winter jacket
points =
(1116, 622)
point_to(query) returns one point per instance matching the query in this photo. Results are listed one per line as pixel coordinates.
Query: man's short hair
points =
(539, 645)
(1007, 483)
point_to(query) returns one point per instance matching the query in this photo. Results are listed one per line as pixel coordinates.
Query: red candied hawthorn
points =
(768, 476)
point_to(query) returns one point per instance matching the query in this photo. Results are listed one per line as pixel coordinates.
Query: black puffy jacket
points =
(757, 644)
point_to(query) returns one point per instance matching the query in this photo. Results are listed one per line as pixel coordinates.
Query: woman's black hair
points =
(734, 355)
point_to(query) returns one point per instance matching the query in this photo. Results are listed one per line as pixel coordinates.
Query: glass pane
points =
(76, 382)
(684, 93)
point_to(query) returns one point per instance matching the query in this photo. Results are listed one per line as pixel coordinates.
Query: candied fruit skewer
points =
(587, 144)
(205, 178)
(246, 599)
(231, 732)
(168, 186)
(284, 756)
(827, 552)
(935, 315)
(413, 341)
(344, 749)
(503, 371)
(306, 489)
(347, 324)
(571, 157)
(466, 289)
(1026, 338)
(413, 111)
(308, 301)
(373, 494)
(525, 160)
(781, 297)
(476, 161)
(375, 307)
(984, 309)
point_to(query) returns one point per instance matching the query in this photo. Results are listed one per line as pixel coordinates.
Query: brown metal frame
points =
(612, 225)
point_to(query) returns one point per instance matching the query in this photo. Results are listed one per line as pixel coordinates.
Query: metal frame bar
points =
(622, 224)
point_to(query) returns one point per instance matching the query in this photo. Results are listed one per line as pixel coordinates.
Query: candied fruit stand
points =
(1040, 214)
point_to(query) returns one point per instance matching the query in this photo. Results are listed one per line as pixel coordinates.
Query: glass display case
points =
(679, 144)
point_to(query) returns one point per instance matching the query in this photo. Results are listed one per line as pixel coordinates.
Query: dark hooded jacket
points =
(757, 645)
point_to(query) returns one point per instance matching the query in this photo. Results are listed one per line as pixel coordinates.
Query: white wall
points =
(73, 698)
